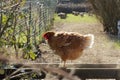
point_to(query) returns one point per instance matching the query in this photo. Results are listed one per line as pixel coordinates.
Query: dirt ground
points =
(104, 50)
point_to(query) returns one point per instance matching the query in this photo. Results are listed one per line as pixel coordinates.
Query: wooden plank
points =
(96, 71)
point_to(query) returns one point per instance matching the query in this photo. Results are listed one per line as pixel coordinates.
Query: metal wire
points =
(33, 19)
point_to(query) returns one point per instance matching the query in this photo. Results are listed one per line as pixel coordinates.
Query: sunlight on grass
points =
(77, 19)
(117, 44)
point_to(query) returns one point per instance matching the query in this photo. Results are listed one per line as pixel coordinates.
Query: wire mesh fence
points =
(22, 22)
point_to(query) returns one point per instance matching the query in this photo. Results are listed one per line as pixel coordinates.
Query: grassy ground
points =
(77, 19)
(117, 44)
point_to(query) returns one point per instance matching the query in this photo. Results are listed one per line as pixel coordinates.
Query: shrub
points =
(108, 13)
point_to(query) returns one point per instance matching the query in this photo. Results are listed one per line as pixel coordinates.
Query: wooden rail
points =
(96, 71)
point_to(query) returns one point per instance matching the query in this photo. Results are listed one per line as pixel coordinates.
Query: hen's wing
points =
(70, 41)
(57, 41)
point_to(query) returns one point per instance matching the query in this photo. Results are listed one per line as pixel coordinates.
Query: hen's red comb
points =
(44, 36)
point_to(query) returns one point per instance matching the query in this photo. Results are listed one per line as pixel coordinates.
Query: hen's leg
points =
(64, 63)
(64, 58)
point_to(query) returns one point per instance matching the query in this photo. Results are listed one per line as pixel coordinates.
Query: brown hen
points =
(68, 45)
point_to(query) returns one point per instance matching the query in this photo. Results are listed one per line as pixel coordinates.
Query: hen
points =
(68, 45)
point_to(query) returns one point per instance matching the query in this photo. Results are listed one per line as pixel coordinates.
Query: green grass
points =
(117, 44)
(77, 19)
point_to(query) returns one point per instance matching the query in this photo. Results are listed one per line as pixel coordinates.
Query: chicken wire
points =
(35, 17)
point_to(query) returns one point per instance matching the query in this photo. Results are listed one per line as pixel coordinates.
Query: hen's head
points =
(48, 35)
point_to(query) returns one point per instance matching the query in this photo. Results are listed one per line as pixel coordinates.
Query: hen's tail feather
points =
(89, 40)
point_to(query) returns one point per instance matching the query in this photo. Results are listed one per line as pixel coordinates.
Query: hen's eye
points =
(45, 37)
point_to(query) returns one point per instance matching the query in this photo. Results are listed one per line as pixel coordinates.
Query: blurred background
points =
(23, 23)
